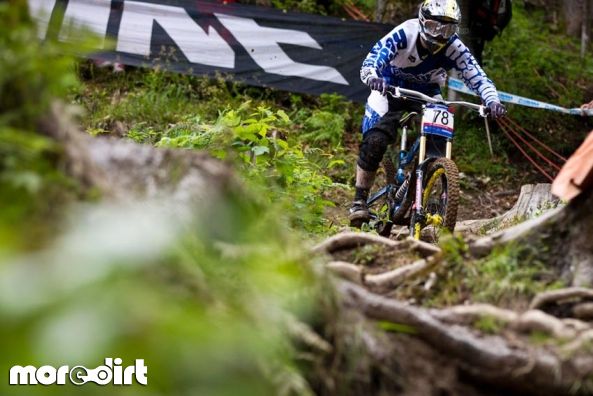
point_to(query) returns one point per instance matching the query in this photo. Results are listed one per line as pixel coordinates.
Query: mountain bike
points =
(422, 191)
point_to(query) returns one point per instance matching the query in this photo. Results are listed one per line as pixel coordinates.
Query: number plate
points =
(438, 120)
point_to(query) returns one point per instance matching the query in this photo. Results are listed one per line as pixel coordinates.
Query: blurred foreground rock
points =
(125, 170)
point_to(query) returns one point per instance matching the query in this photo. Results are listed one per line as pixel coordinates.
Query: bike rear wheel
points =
(440, 195)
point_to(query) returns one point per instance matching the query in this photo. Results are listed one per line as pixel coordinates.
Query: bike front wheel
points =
(440, 196)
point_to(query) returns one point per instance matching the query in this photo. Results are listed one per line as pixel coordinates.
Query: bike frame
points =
(418, 150)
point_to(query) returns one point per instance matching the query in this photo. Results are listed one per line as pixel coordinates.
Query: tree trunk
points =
(585, 28)
(380, 10)
(573, 16)
(561, 239)
(569, 237)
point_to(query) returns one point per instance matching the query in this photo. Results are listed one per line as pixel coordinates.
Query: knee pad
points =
(372, 149)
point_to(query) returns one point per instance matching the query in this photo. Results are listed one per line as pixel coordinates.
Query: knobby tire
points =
(449, 175)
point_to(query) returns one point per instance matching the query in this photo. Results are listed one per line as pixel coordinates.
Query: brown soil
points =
(486, 202)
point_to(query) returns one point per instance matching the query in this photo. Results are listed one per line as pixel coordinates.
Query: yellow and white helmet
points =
(439, 21)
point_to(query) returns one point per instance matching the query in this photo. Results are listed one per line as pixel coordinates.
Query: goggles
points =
(439, 30)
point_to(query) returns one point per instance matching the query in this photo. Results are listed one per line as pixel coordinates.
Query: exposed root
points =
(570, 294)
(425, 249)
(347, 271)
(527, 322)
(583, 311)
(389, 280)
(468, 314)
(386, 281)
(535, 320)
(484, 246)
(491, 357)
(347, 240)
(584, 339)
(302, 332)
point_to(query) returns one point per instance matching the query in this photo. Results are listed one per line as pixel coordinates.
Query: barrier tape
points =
(458, 85)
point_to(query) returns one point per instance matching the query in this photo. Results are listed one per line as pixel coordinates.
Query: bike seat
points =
(407, 119)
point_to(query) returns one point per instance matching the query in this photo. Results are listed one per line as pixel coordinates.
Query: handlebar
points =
(398, 92)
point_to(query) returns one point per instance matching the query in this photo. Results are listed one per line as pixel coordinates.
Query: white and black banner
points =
(255, 45)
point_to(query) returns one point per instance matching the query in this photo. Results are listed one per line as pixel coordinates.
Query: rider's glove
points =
(377, 84)
(497, 110)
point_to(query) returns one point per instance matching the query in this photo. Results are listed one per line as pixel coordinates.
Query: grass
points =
(508, 277)
(489, 325)
(289, 148)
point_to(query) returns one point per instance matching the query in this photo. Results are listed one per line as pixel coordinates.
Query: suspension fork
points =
(417, 220)
(418, 217)
(420, 174)
(401, 158)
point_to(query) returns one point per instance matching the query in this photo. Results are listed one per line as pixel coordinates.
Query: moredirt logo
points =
(110, 373)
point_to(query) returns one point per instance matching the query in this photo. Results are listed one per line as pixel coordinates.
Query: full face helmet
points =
(439, 21)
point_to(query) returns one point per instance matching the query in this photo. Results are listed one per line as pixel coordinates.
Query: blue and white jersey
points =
(395, 58)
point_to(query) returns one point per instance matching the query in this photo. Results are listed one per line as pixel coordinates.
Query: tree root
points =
(491, 357)
(386, 281)
(299, 330)
(425, 249)
(347, 271)
(347, 240)
(526, 322)
(585, 338)
(468, 314)
(538, 321)
(484, 246)
(561, 296)
(583, 311)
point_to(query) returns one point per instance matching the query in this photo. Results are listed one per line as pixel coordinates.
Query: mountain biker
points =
(415, 55)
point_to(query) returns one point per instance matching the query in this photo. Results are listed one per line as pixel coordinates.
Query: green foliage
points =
(366, 254)
(32, 74)
(325, 127)
(509, 276)
(529, 59)
(257, 141)
(292, 155)
(532, 60)
(145, 101)
(489, 325)
(309, 6)
(30, 187)
(472, 154)
(204, 302)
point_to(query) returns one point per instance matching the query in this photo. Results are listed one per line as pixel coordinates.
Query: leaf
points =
(260, 150)
(282, 114)
(335, 163)
(283, 144)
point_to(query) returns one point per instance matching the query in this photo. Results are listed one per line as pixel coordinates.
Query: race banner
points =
(255, 45)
